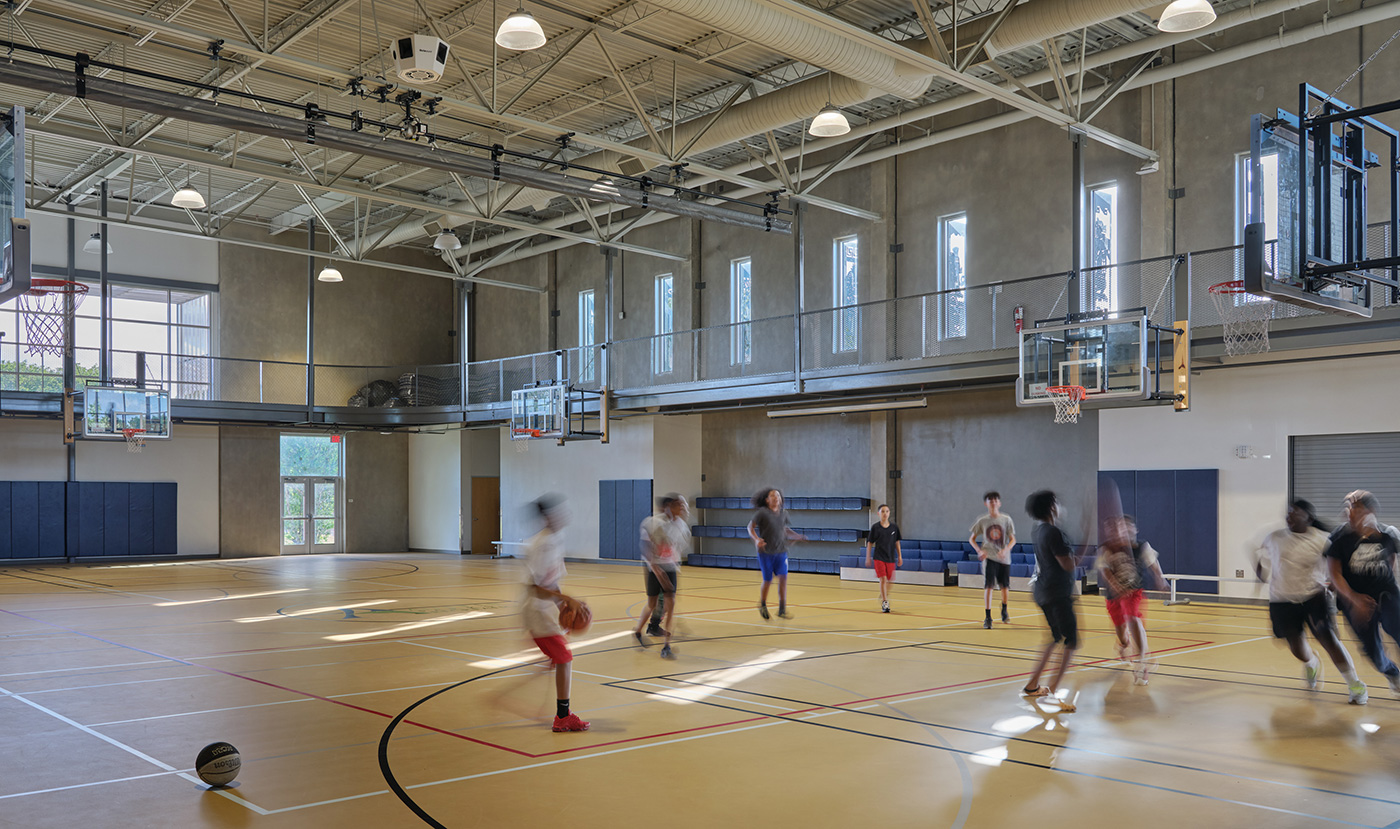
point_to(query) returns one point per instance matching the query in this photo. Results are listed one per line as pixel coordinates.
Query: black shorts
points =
(1319, 613)
(997, 574)
(654, 584)
(1064, 626)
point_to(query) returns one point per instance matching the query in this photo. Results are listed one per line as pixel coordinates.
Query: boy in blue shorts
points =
(771, 535)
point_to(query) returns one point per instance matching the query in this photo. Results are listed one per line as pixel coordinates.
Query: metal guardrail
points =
(925, 329)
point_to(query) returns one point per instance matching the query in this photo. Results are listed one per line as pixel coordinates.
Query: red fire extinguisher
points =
(1019, 315)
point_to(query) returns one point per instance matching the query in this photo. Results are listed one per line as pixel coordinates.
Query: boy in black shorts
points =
(1054, 592)
(992, 537)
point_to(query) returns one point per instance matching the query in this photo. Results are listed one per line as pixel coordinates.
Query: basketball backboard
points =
(14, 228)
(108, 410)
(1306, 182)
(540, 412)
(1106, 355)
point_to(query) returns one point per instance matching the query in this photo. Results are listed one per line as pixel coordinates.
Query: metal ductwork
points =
(1038, 20)
(801, 40)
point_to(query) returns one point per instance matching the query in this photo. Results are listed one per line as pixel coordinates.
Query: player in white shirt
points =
(1299, 598)
(539, 611)
(665, 538)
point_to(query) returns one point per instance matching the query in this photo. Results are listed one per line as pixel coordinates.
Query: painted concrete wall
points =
(250, 496)
(967, 443)
(435, 492)
(480, 458)
(1260, 407)
(33, 450)
(135, 252)
(572, 471)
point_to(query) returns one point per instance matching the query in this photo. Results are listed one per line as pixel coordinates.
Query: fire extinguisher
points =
(1019, 315)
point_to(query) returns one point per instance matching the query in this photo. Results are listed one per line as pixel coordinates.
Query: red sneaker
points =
(570, 723)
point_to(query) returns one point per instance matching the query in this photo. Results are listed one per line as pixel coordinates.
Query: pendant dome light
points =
(330, 274)
(94, 244)
(188, 198)
(520, 32)
(829, 123)
(1186, 16)
(447, 241)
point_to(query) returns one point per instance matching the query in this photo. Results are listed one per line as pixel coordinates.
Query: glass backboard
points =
(1106, 356)
(108, 410)
(14, 228)
(540, 412)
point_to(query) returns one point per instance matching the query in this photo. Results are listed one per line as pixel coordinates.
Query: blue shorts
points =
(772, 564)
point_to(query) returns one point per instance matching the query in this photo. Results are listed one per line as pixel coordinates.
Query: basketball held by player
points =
(544, 598)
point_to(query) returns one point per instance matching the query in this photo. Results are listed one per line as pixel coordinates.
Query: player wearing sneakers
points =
(1054, 592)
(1361, 558)
(544, 569)
(882, 546)
(1299, 599)
(1125, 565)
(665, 537)
(771, 535)
(992, 536)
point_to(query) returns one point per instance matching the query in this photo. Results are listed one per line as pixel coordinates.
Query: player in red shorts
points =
(544, 569)
(1125, 563)
(882, 545)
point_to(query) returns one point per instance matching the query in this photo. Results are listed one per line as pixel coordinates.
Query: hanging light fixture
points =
(94, 244)
(447, 240)
(520, 32)
(829, 123)
(330, 274)
(188, 198)
(1186, 16)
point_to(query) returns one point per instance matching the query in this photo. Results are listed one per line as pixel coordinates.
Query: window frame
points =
(845, 325)
(741, 312)
(587, 335)
(663, 356)
(1108, 270)
(948, 292)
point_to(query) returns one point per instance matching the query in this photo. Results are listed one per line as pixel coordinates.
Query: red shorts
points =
(556, 648)
(884, 569)
(1127, 606)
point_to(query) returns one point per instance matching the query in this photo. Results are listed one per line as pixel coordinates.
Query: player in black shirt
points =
(1054, 592)
(882, 545)
(1361, 556)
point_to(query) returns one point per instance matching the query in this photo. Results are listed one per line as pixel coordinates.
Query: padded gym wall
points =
(622, 506)
(1177, 512)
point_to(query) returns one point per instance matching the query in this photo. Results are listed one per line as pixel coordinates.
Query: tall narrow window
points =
(587, 355)
(1244, 181)
(662, 347)
(952, 274)
(741, 311)
(845, 334)
(1101, 284)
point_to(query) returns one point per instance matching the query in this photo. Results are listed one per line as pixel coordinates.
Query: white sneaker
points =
(1358, 693)
(1312, 673)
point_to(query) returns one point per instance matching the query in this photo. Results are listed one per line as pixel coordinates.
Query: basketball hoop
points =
(44, 310)
(1244, 317)
(1066, 400)
(521, 439)
(135, 440)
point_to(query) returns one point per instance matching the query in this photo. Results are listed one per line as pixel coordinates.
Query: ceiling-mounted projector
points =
(419, 58)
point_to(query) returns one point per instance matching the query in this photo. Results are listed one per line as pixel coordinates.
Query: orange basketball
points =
(575, 621)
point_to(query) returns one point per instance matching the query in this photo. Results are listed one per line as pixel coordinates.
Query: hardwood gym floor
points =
(342, 679)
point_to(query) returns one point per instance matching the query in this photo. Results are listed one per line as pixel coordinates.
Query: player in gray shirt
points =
(992, 537)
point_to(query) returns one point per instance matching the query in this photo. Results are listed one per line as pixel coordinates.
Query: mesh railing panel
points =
(492, 381)
(388, 386)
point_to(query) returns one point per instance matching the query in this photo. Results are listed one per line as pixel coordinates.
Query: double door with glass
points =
(311, 515)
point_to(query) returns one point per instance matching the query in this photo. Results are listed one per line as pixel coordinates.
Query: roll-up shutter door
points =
(1324, 468)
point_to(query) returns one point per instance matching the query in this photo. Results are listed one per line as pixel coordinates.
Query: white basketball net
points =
(135, 440)
(1066, 402)
(1244, 317)
(44, 309)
